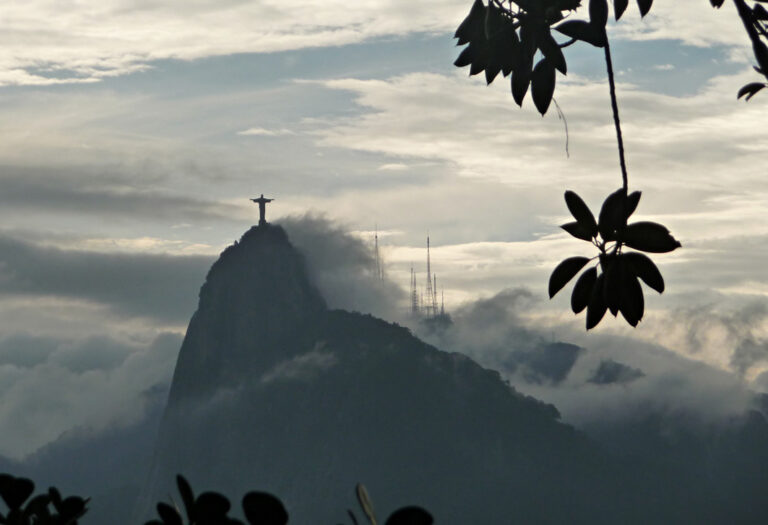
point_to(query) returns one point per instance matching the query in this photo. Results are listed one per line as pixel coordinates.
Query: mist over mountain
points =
(275, 390)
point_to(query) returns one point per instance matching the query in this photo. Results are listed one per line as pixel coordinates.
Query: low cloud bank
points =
(51, 386)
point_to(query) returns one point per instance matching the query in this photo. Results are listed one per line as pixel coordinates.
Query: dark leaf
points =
(761, 54)
(521, 78)
(577, 230)
(472, 25)
(410, 516)
(465, 57)
(72, 508)
(596, 307)
(584, 31)
(612, 217)
(211, 507)
(632, 201)
(582, 291)
(494, 21)
(581, 212)
(598, 13)
(504, 50)
(760, 12)
(479, 58)
(716, 3)
(529, 37)
(632, 302)
(650, 237)
(352, 517)
(564, 272)
(168, 514)
(543, 85)
(53, 493)
(264, 509)
(552, 52)
(187, 497)
(15, 491)
(645, 6)
(644, 268)
(38, 507)
(612, 283)
(750, 90)
(619, 6)
(491, 72)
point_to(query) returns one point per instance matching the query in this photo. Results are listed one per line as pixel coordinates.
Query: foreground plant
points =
(616, 288)
(508, 38)
(15, 493)
(262, 508)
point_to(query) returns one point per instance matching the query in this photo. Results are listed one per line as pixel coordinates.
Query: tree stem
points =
(615, 107)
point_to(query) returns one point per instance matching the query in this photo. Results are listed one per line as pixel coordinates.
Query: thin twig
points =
(616, 121)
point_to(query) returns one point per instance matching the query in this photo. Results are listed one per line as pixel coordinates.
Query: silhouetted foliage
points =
(507, 39)
(754, 19)
(262, 508)
(617, 287)
(16, 491)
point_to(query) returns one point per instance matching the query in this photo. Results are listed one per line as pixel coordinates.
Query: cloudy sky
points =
(135, 132)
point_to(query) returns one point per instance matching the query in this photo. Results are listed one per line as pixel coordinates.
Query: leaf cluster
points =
(16, 492)
(261, 508)
(508, 39)
(211, 508)
(616, 287)
(755, 20)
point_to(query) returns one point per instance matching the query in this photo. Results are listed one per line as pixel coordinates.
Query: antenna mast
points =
(414, 294)
(434, 295)
(430, 292)
(442, 303)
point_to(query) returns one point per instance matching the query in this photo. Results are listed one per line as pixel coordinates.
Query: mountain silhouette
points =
(274, 391)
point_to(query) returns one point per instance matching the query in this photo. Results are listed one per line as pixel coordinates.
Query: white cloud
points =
(42, 42)
(302, 367)
(263, 132)
(76, 387)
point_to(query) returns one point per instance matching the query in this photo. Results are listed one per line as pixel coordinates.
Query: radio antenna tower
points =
(430, 293)
(434, 295)
(442, 303)
(414, 294)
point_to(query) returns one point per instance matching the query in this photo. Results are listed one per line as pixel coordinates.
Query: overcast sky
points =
(135, 132)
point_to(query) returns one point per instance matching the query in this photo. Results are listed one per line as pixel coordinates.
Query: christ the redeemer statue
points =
(262, 208)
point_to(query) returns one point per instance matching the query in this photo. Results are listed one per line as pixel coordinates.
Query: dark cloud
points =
(25, 350)
(162, 287)
(111, 192)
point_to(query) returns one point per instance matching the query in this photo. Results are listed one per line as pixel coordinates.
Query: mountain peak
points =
(254, 295)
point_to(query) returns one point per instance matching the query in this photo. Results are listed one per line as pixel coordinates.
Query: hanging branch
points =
(520, 44)
(616, 120)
